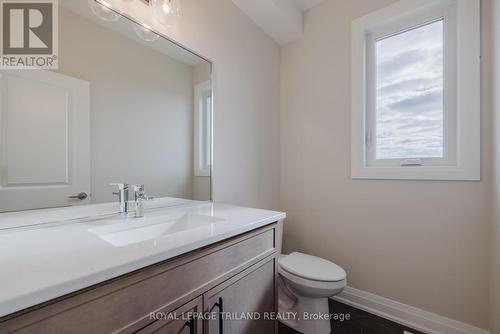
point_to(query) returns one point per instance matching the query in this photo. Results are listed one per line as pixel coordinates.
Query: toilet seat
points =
(312, 284)
(310, 268)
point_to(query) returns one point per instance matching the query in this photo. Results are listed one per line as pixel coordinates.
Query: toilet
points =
(304, 285)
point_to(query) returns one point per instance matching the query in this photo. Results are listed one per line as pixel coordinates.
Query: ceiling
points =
(280, 19)
(305, 5)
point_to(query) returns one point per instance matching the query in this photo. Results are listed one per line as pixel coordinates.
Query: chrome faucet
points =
(122, 194)
(139, 198)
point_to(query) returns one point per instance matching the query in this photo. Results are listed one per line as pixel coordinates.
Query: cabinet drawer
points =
(123, 305)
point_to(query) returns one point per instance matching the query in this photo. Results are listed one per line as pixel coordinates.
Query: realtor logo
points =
(29, 34)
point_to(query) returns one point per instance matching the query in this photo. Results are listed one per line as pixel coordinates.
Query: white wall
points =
(246, 101)
(422, 243)
(495, 228)
(141, 110)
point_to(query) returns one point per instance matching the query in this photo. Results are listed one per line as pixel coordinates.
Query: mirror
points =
(125, 105)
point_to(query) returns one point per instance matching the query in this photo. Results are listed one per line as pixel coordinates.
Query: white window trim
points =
(464, 163)
(202, 124)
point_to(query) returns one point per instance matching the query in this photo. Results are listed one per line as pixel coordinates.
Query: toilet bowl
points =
(304, 285)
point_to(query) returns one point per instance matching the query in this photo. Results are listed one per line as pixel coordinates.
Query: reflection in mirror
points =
(125, 106)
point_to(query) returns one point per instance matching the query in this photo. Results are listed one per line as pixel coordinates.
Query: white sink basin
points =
(133, 231)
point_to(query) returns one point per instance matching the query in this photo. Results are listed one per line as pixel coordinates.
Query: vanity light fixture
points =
(103, 10)
(165, 11)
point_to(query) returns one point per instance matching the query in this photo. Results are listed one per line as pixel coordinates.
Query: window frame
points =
(461, 101)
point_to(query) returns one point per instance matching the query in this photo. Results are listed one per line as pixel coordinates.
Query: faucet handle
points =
(121, 186)
(138, 187)
(140, 193)
(122, 194)
(140, 197)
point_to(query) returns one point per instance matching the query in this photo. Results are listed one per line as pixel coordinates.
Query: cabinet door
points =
(184, 320)
(235, 302)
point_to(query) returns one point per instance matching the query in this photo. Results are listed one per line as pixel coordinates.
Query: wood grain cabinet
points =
(243, 303)
(225, 288)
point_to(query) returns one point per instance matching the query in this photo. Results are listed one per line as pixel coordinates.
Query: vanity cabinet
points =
(239, 272)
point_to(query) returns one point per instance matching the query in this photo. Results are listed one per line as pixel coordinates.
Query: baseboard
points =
(403, 314)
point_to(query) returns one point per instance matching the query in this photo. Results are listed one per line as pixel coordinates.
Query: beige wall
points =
(495, 228)
(141, 116)
(246, 101)
(422, 243)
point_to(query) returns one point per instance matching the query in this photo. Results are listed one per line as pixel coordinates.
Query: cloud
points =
(408, 83)
(410, 94)
(429, 99)
(420, 64)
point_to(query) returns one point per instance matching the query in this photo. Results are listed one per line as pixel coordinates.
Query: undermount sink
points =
(134, 231)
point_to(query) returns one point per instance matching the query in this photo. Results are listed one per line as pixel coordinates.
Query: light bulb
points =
(103, 10)
(165, 11)
(145, 33)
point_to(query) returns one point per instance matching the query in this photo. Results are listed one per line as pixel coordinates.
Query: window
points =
(415, 91)
(203, 128)
(409, 94)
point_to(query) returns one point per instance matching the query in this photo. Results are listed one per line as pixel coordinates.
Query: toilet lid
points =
(312, 267)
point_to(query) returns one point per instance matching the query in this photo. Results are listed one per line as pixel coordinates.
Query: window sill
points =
(434, 173)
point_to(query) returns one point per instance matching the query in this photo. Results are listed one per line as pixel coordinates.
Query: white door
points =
(44, 140)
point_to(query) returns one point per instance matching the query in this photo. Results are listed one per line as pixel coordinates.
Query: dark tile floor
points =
(360, 322)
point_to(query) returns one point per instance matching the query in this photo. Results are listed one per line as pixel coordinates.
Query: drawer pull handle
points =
(190, 324)
(220, 306)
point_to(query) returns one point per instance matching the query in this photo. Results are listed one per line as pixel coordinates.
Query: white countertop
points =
(44, 258)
